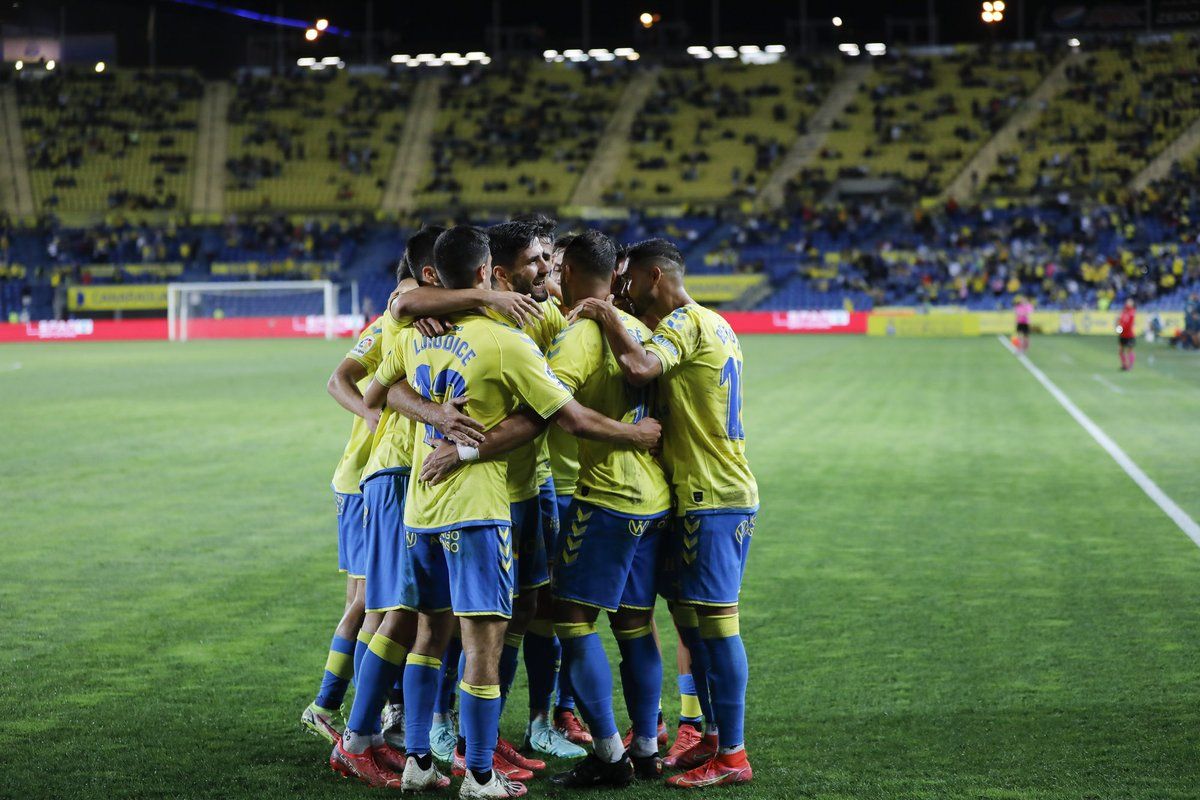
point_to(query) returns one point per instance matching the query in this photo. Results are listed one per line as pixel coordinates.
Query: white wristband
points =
(467, 453)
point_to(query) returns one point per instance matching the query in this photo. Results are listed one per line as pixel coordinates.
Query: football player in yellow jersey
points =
(564, 467)
(521, 264)
(609, 552)
(697, 360)
(346, 385)
(364, 750)
(459, 552)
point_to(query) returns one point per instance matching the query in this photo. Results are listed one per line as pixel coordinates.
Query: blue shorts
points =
(609, 560)
(548, 508)
(352, 550)
(383, 525)
(706, 558)
(564, 508)
(469, 570)
(532, 571)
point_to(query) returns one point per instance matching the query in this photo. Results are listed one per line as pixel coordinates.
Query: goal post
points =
(215, 300)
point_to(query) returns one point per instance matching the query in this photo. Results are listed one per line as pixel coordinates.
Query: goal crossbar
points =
(178, 308)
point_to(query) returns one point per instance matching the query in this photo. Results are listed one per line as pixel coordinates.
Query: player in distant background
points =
(1023, 310)
(1126, 335)
(698, 359)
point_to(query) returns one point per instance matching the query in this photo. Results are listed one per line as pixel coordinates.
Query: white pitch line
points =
(1169, 507)
(13, 367)
(1112, 386)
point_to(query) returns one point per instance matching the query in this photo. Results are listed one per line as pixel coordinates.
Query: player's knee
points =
(629, 620)
(568, 612)
(399, 626)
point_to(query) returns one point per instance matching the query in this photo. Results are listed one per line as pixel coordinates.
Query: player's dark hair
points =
(544, 222)
(562, 242)
(402, 269)
(509, 238)
(457, 253)
(593, 253)
(418, 250)
(656, 253)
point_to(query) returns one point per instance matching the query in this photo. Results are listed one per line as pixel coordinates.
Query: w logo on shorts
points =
(339, 500)
(410, 539)
(745, 529)
(638, 526)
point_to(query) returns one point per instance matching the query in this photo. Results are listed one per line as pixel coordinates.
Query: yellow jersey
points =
(391, 447)
(617, 477)
(368, 351)
(529, 464)
(499, 369)
(564, 460)
(704, 441)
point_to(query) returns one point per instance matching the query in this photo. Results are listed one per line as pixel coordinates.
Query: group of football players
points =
(507, 479)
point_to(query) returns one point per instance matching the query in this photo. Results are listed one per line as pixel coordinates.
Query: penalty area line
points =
(1160, 498)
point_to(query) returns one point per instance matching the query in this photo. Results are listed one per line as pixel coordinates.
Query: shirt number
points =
(446, 385)
(731, 374)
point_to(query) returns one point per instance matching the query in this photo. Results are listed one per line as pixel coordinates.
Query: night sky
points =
(188, 36)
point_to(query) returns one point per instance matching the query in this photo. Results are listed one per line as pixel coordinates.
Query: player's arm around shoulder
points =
(639, 365)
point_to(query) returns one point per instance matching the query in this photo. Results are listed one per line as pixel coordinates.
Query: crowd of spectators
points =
(535, 120)
(80, 125)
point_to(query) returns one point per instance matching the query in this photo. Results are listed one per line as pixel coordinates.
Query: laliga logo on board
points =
(811, 320)
(60, 328)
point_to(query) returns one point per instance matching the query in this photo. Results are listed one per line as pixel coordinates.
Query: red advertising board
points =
(100, 330)
(797, 321)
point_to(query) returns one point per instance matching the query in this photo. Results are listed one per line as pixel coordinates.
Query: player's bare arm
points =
(343, 386)
(524, 426)
(447, 417)
(434, 301)
(639, 365)
(510, 433)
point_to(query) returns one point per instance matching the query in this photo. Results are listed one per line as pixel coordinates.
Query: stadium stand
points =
(714, 130)
(918, 119)
(1125, 103)
(313, 139)
(518, 133)
(515, 136)
(115, 140)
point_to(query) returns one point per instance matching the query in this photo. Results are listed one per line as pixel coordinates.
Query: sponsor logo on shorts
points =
(449, 540)
(745, 529)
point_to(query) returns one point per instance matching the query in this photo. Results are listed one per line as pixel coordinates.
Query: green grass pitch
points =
(953, 591)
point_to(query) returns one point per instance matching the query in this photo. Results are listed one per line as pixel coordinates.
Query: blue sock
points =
(641, 678)
(339, 666)
(691, 637)
(728, 673)
(566, 693)
(508, 665)
(689, 704)
(380, 665)
(421, 675)
(448, 677)
(479, 708)
(541, 659)
(360, 649)
(590, 675)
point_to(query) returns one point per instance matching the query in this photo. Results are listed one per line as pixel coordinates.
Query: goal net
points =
(282, 308)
